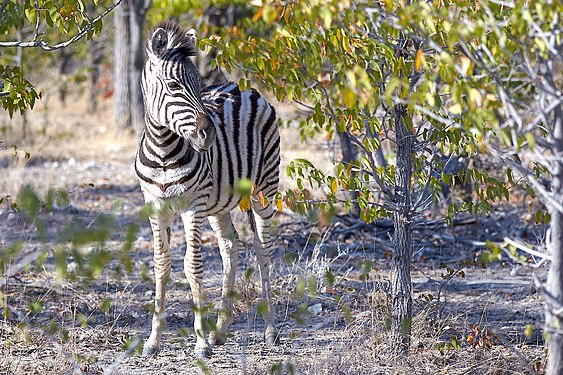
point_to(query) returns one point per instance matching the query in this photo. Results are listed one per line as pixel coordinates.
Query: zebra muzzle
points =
(204, 136)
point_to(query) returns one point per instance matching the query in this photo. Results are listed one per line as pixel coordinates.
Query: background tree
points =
(68, 18)
(425, 79)
(361, 71)
(128, 64)
(121, 68)
(515, 53)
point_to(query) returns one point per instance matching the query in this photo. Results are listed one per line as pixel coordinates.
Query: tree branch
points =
(4, 5)
(46, 47)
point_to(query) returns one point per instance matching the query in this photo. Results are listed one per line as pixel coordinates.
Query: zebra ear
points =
(191, 35)
(159, 42)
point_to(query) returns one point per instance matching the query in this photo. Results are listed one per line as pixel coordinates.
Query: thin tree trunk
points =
(64, 59)
(348, 156)
(379, 157)
(137, 21)
(95, 57)
(122, 102)
(19, 62)
(554, 285)
(401, 284)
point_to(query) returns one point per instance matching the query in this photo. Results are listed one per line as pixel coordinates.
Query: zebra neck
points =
(165, 147)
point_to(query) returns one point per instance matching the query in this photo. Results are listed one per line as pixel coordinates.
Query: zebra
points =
(197, 143)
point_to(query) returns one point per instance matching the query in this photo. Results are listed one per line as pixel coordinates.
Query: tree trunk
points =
(348, 156)
(95, 57)
(64, 59)
(379, 157)
(121, 94)
(19, 62)
(401, 284)
(554, 285)
(95, 52)
(137, 21)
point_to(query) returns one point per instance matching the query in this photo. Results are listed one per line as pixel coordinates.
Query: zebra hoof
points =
(150, 350)
(216, 338)
(202, 353)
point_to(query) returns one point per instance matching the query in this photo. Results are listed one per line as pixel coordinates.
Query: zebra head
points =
(171, 86)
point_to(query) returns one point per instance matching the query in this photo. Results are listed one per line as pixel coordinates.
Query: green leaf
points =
(390, 88)
(35, 307)
(262, 308)
(269, 14)
(531, 140)
(528, 331)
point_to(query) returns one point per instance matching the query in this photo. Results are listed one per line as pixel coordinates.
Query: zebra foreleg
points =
(228, 239)
(161, 242)
(263, 247)
(193, 267)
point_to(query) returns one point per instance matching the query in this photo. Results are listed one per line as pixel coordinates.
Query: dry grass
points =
(338, 329)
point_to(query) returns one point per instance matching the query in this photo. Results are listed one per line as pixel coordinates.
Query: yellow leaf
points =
(455, 109)
(351, 76)
(258, 14)
(465, 64)
(475, 98)
(279, 205)
(262, 200)
(418, 60)
(285, 33)
(334, 186)
(245, 203)
(349, 97)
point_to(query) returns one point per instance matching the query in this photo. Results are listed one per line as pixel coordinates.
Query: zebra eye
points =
(173, 85)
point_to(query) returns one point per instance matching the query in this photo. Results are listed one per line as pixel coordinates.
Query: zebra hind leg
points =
(161, 242)
(262, 217)
(228, 239)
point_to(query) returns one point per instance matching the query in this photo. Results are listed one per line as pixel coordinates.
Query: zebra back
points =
(247, 145)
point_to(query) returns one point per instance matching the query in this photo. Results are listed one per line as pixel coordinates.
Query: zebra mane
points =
(178, 40)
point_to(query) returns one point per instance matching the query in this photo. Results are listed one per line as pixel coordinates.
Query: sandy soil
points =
(466, 324)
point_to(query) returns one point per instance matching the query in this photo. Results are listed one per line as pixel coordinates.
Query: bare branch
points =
(373, 166)
(548, 198)
(523, 247)
(46, 47)
(4, 5)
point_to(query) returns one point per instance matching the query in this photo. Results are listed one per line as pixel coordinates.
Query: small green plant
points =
(446, 347)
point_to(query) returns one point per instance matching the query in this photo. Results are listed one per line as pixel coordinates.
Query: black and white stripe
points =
(196, 145)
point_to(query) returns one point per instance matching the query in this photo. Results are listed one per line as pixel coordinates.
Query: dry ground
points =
(462, 325)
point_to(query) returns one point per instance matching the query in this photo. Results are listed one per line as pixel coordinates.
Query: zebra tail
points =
(251, 220)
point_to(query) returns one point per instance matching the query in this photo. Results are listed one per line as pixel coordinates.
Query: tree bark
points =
(19, 62)
(348, 156)
(554, 284)
(95, 57)
(401, 283)
(137, 24)
(64, 60)
(121, 94)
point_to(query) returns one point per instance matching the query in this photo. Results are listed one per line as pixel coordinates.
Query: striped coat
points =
(197, 144)
(247, 146)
